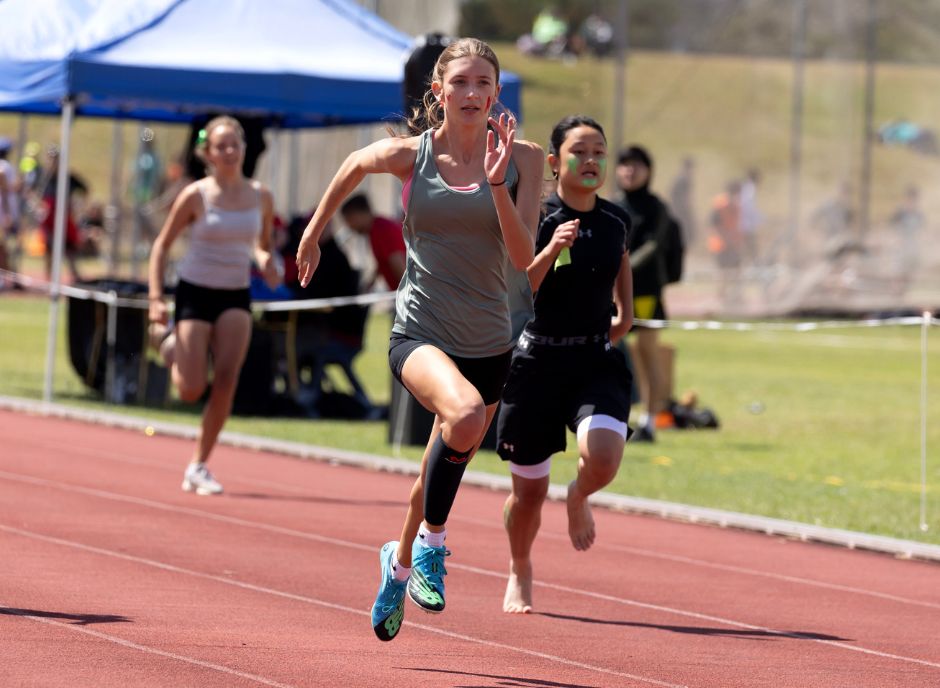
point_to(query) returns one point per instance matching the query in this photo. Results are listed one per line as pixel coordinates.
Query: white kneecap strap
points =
(539, 470)
(602, 422)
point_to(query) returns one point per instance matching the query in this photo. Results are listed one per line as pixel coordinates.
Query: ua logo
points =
(584, 233)
(511, 448)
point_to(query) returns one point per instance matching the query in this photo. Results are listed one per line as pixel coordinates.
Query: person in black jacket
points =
(648, 258)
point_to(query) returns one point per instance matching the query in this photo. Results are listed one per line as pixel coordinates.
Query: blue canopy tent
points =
(297, 63)
(302, 63)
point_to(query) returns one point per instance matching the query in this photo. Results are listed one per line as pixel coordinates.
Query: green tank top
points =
(454, 290)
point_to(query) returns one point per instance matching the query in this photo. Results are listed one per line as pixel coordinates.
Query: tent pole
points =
(22, 136)
(136, 219)
(293, 172)
(112, 217)
(58, 244)
(274, 167)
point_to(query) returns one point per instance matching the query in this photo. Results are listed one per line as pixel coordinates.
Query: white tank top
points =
(221, 244)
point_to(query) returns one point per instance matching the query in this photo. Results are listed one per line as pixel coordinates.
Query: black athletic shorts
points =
(648, 307)
(556, 383)
(204, 303)
(487, 374)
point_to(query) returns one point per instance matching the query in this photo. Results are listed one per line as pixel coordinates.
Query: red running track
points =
(112, 576)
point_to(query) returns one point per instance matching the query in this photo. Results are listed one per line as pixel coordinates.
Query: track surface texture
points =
(112, 576)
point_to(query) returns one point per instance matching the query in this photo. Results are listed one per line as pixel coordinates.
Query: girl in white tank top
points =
(230, 221)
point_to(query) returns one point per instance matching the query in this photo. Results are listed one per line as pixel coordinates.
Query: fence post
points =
(925, 326)
(111, 339)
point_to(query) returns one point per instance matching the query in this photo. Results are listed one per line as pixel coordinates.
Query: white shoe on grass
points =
(198, 479)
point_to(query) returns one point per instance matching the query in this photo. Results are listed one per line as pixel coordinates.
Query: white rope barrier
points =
(379, 297)
(110, 297)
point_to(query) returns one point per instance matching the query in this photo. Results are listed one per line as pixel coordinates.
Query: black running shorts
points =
(194, 302)
(552, 386)
(487, 374)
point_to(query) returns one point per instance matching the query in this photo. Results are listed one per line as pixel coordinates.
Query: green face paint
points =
(588, 182)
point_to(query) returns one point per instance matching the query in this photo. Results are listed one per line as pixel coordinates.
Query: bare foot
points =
(580, 520)
(518, 599)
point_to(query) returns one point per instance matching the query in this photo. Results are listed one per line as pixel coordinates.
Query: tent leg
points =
(112, 217)
(58, 245)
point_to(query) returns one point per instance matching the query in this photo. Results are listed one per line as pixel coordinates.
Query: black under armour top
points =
(577, 299)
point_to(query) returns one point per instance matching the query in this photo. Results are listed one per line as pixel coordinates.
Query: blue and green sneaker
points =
(426, 585)
(388, 612)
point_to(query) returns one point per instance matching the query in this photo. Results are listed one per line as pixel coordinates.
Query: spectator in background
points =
(597, 35)
(31, 168)
(9, 206)
(385, 237)
(833, 221)
(682, 200)
(725, 240)
(751, 218)
(651, 223)
(146, 183)
(549, 37)
(907, 222)
(334, 277)
(174, 181)
(49, 191)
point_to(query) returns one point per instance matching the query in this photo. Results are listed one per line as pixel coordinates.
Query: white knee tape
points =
(602, 422)
(539, 470)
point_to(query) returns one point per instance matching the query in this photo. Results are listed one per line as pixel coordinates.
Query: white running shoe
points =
(198, 479)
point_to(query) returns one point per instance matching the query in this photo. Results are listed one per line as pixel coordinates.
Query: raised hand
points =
(499, 148)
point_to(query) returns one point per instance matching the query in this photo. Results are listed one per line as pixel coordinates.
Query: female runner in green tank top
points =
(471, 200)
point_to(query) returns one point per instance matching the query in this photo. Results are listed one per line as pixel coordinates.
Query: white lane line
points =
(123, 458)
(321, 603)
(714, 619)
(465, 567)
(679, 559)
(152, 650)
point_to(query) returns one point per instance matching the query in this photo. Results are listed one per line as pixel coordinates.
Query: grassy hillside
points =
(730, 113)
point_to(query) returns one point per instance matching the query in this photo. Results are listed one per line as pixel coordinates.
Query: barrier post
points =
(111, 339)
(58, 246)
(925, 326)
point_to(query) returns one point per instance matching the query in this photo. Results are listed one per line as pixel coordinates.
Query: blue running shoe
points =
(426, 585)
(388, 612)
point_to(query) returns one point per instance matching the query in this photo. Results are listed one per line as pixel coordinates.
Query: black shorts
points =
(551, 387)
(204, 303)
(648, 307)
(487, 374)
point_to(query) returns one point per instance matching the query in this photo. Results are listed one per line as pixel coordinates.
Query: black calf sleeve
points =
(445, 469)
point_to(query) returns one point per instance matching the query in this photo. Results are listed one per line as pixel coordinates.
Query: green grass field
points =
(836, 442)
